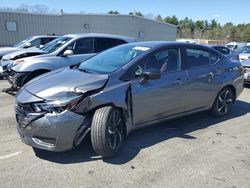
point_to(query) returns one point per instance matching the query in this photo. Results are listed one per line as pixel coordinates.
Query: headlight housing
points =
(57, 106)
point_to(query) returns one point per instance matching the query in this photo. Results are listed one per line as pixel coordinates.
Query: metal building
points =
(16, 26)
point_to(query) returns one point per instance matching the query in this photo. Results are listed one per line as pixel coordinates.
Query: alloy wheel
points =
(224, 102)
(115, 130)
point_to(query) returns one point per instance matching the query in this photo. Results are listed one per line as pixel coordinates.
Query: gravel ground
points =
(195, 151)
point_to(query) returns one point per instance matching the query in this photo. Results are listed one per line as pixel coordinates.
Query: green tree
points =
(171, 20)
(136, 13)
(113, 12)
(159, 18)
(246, 34)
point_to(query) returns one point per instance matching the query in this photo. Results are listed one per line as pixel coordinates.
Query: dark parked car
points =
(123, 89)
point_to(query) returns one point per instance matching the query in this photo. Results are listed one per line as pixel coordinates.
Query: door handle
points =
(210, 74)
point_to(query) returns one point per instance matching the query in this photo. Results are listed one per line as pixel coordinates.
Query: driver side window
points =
(82, 46)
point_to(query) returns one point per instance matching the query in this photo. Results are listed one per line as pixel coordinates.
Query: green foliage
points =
(187, 28)
(136, 13)
(158, 18)
(113, 12)
(171, 20)
(246, 34)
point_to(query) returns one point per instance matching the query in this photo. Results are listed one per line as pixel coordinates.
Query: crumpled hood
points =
(24, 52)
(5, 50)
(49, 86)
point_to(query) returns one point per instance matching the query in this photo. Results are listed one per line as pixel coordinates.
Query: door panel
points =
(202, 78)
(155, 99)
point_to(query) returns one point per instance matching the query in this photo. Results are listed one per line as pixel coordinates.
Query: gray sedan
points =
(122, 89)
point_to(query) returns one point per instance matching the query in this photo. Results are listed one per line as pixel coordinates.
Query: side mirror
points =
(27, 45)
(152, 74)
(67, 53)
(41, 46)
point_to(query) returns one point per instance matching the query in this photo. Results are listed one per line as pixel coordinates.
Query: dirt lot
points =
(196, 151)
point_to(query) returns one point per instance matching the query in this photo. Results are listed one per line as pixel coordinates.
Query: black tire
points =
(223, 102)
(107, 131)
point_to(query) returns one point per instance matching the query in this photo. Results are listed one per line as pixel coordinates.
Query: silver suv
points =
(65, 51)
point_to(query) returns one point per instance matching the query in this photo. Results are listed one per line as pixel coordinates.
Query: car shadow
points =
(146, 137)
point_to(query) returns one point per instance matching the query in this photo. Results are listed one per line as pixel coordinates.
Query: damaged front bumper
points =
(50, 131)
(16, 79)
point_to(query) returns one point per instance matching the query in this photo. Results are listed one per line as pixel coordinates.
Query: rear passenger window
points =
(119, 42)
(224, 50)
(102, 44)
(46, 40)
(200, 58)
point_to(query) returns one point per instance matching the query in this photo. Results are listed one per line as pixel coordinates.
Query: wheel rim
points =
(224, 102)
(115, 130)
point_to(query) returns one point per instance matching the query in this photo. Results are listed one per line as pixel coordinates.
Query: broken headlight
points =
(57, 106)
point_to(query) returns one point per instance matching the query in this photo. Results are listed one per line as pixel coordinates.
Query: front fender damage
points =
(118, 96)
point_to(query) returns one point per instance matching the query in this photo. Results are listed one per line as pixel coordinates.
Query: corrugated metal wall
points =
(35, 24)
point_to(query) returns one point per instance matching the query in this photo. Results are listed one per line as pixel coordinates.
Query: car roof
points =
(216, 45)
(78, 35)
(45, 36)
(156, 44)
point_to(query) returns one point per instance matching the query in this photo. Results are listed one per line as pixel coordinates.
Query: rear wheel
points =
(107, 131)
(223, 102)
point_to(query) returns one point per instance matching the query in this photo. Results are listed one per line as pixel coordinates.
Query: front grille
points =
(25, 115)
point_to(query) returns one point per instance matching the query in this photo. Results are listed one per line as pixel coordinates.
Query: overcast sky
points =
(222, 10)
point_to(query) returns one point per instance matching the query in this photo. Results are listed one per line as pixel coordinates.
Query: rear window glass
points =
(200, 58)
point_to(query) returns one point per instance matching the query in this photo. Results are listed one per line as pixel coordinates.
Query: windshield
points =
(112, 59)
(245, 49)
(22, 42)
(55, 44)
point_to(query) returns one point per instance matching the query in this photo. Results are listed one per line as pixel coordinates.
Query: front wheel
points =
(223, 103)
(107, 131)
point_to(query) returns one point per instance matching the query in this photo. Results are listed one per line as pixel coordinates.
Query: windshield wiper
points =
(87, 71)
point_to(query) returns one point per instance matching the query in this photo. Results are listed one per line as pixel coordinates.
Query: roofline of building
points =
(90, 14)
